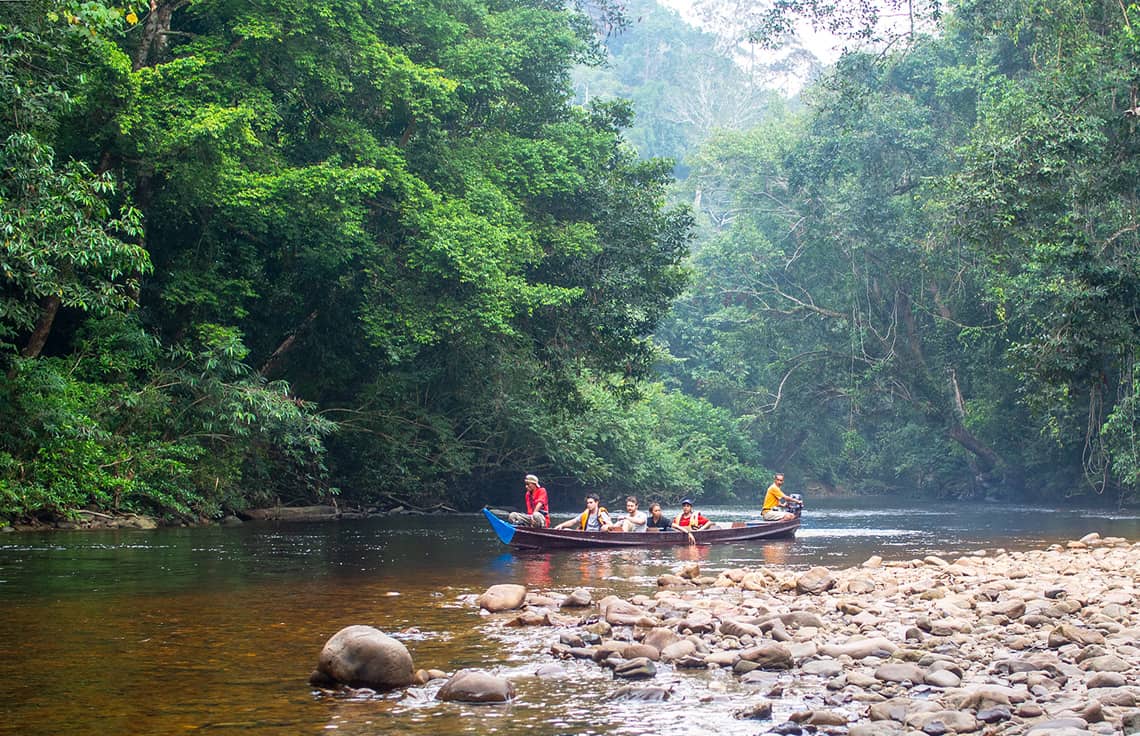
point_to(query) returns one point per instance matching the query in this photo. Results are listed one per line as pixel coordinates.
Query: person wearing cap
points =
(537, 505)
(776, 502)
(690, 521)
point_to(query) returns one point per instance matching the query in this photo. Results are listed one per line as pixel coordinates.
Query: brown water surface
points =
(215, 630)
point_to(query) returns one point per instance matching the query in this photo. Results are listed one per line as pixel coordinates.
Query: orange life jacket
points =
(682, 520)
(585, 516)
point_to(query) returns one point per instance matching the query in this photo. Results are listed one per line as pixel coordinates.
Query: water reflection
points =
(694, 552)
(136, 632)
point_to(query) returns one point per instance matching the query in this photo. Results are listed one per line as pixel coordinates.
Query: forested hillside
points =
(930, 278)
(383, 250)
(274, 252)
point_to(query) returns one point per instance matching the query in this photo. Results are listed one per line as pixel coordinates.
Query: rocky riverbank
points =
(1041, 643)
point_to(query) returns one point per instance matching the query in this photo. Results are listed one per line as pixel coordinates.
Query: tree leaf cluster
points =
(928, 278)
(279, 252)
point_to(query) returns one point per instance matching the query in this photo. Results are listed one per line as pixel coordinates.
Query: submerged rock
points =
(476, 686)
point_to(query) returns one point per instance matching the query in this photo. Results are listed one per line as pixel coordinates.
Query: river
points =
(216, 630)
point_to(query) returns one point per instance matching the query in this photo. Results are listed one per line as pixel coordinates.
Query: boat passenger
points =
(593, 519)
(537, 505)
(690, 521)
(634, 520)
(658, 521)
(776, 502)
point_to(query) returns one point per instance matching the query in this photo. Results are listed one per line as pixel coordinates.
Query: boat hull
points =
(542, 539)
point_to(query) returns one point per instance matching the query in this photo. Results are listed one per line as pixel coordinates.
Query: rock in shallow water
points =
(503, 597)
(362, 656)
(476, 686)
(639, 668)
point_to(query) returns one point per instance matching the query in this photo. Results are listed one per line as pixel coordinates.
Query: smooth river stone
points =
(363, 656)
(900, 672)
(822, 667)
(476, 686)
(502, 597)
(942, 678)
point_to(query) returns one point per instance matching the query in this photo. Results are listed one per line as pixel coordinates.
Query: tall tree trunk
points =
(49, 308)
(156, 28)
(986, 459)
(1012, 474)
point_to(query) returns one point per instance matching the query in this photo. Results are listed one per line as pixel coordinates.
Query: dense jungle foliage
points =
(289, 253)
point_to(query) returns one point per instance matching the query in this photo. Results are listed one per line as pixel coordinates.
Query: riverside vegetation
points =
(376, 253)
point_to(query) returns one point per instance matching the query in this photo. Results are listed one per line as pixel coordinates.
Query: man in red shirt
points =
(537, 505)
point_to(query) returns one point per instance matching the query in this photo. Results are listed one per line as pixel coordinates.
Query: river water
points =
(216, 630)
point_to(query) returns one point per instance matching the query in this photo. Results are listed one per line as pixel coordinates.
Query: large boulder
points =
(503, 597)
(476, 686)
(362, 656)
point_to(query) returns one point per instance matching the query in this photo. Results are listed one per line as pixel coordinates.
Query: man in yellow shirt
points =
(775, 502)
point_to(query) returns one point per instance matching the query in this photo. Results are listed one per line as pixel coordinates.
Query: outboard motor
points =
(796, 505)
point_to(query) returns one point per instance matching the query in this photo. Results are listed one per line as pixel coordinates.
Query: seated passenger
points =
(537, 506)
(658, 521)
(593, 519)
(690, 521)
(634, 520)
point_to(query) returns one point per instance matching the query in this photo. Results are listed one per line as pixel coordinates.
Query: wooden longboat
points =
(534, 538)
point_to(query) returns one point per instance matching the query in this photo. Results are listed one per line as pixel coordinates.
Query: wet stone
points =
(580, 598)
(645, 694)
(994, 714)
(639, 668)
(761, 711)
(475, 686)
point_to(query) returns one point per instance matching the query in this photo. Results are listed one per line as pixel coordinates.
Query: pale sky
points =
(820, 43)
(825, 46)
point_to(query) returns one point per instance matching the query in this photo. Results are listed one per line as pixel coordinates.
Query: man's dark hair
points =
(631, 498)
(593, 496)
